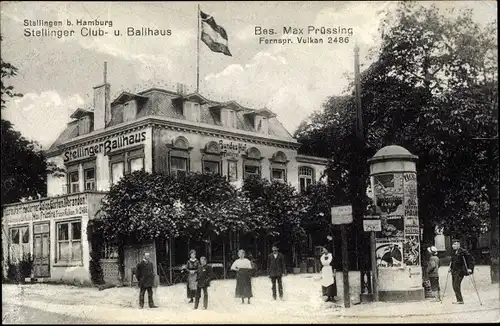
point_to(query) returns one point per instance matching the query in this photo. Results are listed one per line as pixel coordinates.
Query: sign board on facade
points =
(47, 208)
(341, 214)
(105, 147)
(372, 225)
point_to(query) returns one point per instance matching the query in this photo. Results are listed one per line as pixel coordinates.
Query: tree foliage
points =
(23, 165)
(432, 89)
(144, 206)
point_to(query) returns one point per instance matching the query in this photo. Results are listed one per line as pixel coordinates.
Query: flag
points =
(213, 35)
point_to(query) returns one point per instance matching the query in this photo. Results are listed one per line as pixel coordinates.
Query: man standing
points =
(462, 264)
(146, 276)
(204, 276)
(276, 269)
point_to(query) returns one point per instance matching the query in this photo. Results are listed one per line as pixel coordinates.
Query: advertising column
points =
(394, 187)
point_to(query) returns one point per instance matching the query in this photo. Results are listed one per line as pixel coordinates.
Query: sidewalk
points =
(302, 304)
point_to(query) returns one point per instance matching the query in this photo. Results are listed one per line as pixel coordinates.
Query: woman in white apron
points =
(328, 284)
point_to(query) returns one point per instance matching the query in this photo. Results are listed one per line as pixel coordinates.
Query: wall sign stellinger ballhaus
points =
(105, 147)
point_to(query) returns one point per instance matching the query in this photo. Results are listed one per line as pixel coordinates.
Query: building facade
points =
(155, 130)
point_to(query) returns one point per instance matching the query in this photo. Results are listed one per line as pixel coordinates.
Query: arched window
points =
(211, 160)
(306, 177)
(179, 156)
(278, 167)
(251, 163)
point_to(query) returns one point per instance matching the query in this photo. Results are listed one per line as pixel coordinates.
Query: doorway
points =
(41, 243)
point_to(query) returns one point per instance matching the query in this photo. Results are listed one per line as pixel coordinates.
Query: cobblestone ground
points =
(302, 304)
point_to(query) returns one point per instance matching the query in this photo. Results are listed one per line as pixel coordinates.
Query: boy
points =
(433, 272)
(205, 275)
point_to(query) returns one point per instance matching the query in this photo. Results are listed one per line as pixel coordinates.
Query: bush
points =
(21, 270)
(26, 266)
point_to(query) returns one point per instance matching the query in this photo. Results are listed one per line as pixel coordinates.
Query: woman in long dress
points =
(244, 270)
(192, 269)
(328, 284)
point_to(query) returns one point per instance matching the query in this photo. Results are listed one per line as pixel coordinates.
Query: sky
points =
(57, 75)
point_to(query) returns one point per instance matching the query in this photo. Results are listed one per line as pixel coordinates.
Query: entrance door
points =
(41, 263)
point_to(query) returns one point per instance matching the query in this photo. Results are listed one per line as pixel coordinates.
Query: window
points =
(126, 162)
(252, 170)
(74, 184)
(278, 166)
(109, 251)
(89, 177)
(305, 177)
(19, 240)
(117, 171)
(136, 164)
(69, 241)
(278, 174)
(178, 165)
(211, 167)
(232, 167)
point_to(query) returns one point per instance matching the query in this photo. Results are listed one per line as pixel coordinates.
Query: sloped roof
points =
(80, 113)
(168, 104)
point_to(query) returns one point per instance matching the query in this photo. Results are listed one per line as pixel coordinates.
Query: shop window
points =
(89, 177)
(211, 167)
(69, 242)
(74, 183)
(305, 178)
(19, 240)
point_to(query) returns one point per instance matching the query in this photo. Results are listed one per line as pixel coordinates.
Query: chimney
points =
(102, 109)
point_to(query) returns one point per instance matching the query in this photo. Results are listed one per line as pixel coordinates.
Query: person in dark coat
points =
(146, 276)
(276, 268)
(462, 264)
(192, 269)
(203, 278)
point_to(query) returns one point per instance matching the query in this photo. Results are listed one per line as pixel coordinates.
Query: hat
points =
(432, 249)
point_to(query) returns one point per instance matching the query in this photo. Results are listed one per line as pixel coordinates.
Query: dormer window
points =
(84, 117)
(227, 113)
(191, 106)
(260, 119)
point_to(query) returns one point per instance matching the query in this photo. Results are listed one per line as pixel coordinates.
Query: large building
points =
(154, 130)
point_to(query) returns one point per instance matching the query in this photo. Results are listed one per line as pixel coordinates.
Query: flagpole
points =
(198, 53)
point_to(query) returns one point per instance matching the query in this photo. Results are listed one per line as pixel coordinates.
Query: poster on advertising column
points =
(388, 195)
(411, 250)
(411, 226)
(389, 253)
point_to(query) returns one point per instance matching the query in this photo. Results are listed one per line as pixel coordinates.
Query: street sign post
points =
(342, 215)
(372, 224)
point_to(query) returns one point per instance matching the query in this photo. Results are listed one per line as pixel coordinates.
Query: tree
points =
(144, 206)
(23, 165)
(282, 211)
(431, 89)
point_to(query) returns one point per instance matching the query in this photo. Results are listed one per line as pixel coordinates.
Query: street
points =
(61, 304)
